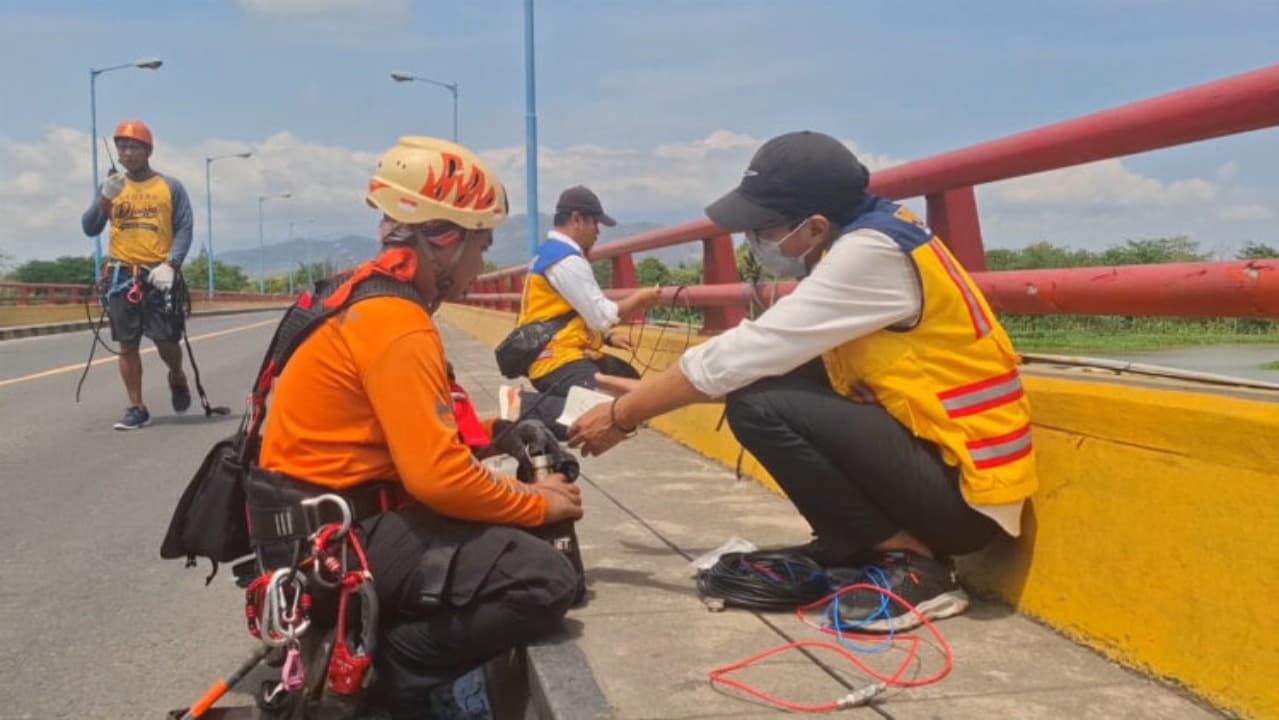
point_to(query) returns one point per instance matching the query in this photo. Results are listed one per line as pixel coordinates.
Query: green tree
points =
(749, 269)
(1257, 251)
(66, 269)
(603, 270)
(277, 284)
(1151, 251)
(652, 271)
(1038, 256)
(227, 278)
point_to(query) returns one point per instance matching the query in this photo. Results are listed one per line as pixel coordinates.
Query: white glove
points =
(113, 186)
(161, 277)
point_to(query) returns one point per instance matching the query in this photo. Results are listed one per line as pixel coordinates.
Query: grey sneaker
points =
(929, 585)
(134, 418)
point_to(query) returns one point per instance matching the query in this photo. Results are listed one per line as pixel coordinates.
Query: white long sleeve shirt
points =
(573, 278)
(863, 284)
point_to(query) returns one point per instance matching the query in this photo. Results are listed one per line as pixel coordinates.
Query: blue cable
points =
(877, 578)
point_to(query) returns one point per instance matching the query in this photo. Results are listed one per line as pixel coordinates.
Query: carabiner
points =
(284, 618)
(342, 507)
(134, 296)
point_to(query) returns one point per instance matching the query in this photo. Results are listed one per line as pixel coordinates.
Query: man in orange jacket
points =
(366, 398)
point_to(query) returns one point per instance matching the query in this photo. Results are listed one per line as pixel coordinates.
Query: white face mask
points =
(772, 259)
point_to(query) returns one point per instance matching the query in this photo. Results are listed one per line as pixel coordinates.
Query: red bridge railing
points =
(1227, 289)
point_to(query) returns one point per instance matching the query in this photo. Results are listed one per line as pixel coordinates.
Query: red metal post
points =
(719, 266)
(517, 286)
(952, 215)
(24, 294)
(624, 277)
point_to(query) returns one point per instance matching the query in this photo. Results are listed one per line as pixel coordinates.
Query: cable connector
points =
(860, 696)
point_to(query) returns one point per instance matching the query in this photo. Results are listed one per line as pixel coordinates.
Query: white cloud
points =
(45, 186)
(1103, 184)
(1227, 171)
(304, 8)
(1244, 213)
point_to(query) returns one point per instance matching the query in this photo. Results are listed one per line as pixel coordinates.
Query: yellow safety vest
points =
(541, 301)
(951, 378)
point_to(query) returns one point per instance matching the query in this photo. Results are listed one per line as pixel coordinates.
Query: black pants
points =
(548, 403)
(582, 372)
(855, 473)
(453, 595)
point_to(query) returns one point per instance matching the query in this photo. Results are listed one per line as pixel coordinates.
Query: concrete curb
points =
(561, 684)
(55, 328)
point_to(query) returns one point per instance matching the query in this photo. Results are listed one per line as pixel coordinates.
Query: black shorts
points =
(158, 317)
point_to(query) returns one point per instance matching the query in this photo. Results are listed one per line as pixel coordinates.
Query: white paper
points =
(707, 560)
(578, 401)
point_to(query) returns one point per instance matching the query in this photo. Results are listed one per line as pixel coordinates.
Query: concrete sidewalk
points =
(652, 505)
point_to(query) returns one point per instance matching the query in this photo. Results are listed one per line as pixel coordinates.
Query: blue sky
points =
(658, 104)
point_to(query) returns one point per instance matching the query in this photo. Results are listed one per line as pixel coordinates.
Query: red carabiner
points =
(135, 293)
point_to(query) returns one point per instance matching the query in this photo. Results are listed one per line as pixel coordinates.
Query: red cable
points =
(718, 675)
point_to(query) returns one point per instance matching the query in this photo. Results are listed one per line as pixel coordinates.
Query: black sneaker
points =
(929, 585)
(180, 395)
(827, 556)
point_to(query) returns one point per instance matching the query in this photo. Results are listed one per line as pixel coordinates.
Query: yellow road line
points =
(100, 361)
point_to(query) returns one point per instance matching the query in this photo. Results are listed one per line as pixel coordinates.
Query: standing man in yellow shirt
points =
(151, 220)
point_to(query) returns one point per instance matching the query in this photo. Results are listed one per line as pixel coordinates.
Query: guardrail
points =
(1232, 289)
(28, 294)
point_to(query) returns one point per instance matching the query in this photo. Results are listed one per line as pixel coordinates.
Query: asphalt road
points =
(93, 624)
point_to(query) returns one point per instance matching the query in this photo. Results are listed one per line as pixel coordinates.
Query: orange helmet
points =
(135, 130)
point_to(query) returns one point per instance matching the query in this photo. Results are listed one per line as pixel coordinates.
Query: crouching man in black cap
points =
(882, 394)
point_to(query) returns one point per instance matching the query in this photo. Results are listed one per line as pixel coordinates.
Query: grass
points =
(1271, 366)
(1123, 334)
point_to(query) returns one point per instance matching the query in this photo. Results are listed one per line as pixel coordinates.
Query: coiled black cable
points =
(764, 580)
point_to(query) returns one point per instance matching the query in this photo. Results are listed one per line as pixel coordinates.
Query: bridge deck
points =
(94, 626)
(652, 505)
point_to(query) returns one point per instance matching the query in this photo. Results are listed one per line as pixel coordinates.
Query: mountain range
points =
(510, 247)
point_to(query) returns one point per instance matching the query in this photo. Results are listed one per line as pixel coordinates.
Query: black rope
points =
(764, 580)
(637, 343)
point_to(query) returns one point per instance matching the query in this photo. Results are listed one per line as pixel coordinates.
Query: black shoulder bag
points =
(519, 350)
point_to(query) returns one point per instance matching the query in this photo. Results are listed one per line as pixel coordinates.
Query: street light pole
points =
(310, 281)
(530, 128)
(144, 63)
(451, 87)
(208, 208)
(262, 241)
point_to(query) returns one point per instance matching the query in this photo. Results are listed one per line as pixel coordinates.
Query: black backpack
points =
(210, 519)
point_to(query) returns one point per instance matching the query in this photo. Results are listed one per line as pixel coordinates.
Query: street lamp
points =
(530, 128)
(451, 87)
(307, 267)
(208, 206)
(148, 63)
(262, 241)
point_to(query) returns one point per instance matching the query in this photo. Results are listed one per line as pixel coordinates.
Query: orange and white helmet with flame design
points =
(424, 178)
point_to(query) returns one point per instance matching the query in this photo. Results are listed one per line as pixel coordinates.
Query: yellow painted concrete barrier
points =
(1154, 537)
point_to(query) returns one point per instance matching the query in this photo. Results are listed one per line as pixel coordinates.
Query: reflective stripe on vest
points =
(979, 396)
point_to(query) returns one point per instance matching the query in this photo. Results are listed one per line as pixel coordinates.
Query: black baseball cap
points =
(791, 177)
(581, 199)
